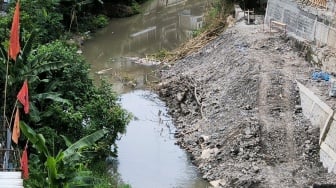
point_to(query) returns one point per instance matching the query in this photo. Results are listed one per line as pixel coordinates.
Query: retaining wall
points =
(302, 24)
(323, 117)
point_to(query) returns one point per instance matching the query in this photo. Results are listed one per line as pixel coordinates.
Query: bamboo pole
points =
(5, 94)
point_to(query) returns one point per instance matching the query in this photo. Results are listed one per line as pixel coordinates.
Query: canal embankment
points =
(236, 106)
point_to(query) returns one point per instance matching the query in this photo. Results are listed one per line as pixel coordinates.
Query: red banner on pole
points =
(23, 97)
(14, 41)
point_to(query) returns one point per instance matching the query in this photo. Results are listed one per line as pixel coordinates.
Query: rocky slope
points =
(236, 109)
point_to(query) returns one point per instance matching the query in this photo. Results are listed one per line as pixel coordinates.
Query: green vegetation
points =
(64, 169)
(49, 18)
(65, 105)
(215, 23)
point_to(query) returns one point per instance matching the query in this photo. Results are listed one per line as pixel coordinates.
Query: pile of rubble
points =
(237, 111)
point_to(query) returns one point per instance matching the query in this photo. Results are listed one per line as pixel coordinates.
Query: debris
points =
(236, 119)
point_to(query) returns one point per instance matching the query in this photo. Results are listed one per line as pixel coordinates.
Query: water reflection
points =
(164, 24)
(148, 157)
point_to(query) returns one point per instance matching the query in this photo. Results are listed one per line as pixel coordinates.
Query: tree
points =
(62, 169)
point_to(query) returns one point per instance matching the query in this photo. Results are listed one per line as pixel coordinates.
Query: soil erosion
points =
(237, 111)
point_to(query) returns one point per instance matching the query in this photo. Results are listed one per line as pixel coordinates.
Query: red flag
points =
(23, 97)
(14, 41)
(16, 127)
(24, 164)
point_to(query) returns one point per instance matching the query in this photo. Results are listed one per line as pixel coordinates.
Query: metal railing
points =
(9, 157)
(3, 6)
(9, 160)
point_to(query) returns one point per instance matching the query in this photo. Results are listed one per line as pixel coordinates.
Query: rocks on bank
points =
(237, 111)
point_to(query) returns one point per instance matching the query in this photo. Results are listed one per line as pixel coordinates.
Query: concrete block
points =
(332, 38)
(306, 104)
(301, 23)
(321, 32)
(321, 115)
(305, 27)
(330, 139)
(328, 157)
(290, 18)
(326, 160)
(314, 108)
(318, 116)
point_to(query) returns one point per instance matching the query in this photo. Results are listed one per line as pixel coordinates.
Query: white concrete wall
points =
(313, 108)
(322, 116)
(11, 180)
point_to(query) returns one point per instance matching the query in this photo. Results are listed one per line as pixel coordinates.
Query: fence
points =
(9, 157)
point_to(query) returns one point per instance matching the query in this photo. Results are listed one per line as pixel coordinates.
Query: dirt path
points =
(235, 105)
(276, 115)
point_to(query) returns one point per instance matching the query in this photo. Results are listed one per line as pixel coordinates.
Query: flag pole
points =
(11, 118)
(12, 54)
(5, 96)
(8, 133)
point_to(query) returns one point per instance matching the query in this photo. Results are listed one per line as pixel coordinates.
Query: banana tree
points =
(63, 169)
(31, 66)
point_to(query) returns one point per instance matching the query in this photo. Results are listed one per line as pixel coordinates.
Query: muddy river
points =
(148, 156)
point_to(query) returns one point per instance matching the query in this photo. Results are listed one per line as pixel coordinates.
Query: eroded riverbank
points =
(234, 105)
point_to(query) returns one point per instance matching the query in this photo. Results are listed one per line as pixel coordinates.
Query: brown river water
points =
(147, 154)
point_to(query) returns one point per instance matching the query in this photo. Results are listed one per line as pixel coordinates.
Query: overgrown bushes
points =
(64, 101)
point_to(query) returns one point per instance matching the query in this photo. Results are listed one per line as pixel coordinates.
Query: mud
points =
(237, 111)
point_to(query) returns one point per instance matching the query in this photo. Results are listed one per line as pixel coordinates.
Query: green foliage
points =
(66, 168)
(78, 14)
(196, 32)
(220, 9)
(215, 9)
(30, 66)
(63, 97)
(92, 23)
(102, 111)
(74, 76)
(84, 107)
(135, 7)
(100, 21)
(37, 173)
(64, 102)
(103, 177)
(4, 29)
(44, 16)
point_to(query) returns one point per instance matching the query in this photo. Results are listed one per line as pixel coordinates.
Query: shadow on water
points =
(148, 156)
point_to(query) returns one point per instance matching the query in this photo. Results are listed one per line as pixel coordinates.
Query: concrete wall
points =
(11, 180)
(310, 24)
(322, 116)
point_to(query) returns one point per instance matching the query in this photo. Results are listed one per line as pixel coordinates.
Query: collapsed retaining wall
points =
(323, 117)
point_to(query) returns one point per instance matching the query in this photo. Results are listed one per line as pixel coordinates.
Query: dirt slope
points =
(236, 107)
